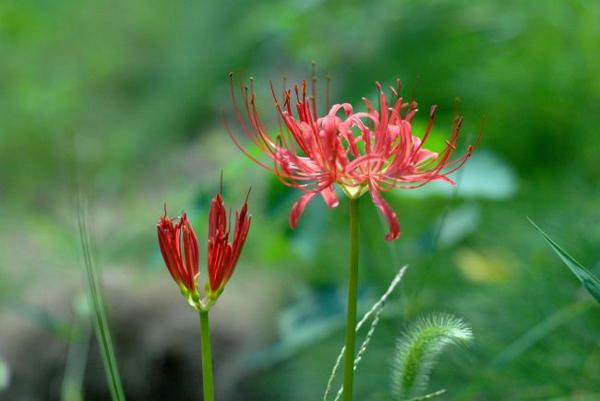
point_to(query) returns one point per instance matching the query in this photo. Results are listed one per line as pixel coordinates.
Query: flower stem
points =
(352, 300)
(207, 369)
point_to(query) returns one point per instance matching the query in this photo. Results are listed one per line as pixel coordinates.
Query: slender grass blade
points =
(589, 281)
(99, 312)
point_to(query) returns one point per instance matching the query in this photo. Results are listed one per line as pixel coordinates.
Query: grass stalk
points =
(100, 320)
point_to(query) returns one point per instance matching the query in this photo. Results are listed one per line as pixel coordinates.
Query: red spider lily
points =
(222, 254)
(372, 151)
(183, 262)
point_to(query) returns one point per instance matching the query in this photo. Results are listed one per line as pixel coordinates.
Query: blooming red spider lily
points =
(373, 150)
(183, 262)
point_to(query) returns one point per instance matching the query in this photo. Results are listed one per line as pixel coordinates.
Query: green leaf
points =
(589, 281)
(103, 335)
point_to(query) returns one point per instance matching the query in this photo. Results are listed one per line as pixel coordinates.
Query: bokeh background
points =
(122, 101)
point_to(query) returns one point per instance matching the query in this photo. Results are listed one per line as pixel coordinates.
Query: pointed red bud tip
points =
(223, 254)
(217, 217)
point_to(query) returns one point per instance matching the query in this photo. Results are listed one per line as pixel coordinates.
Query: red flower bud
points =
(181, 263)
(222, 256)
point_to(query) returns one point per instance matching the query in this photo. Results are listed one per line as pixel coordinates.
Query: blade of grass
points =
(72, 384)
(430, 395)
(589, 281)
(96, 299)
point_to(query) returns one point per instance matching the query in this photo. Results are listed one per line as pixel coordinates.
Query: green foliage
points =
(418, 349)
(4, 375)
(537, 333)
(589, 280)
(100, 322)
(134, 91)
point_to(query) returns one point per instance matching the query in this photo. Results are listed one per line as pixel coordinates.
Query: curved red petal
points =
(190, 247)
(242, 226)
(298, 208)
(217, 216)
(167, 241)
(388, 213)
(328, 194)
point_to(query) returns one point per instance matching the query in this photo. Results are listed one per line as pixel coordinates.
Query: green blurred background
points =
(123, 101)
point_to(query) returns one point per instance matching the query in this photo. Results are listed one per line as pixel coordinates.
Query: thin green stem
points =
(100, 321)
(207, 368)
(352, 300)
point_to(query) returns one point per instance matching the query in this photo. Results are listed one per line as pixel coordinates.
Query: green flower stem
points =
(207, 368)
(352, 300)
